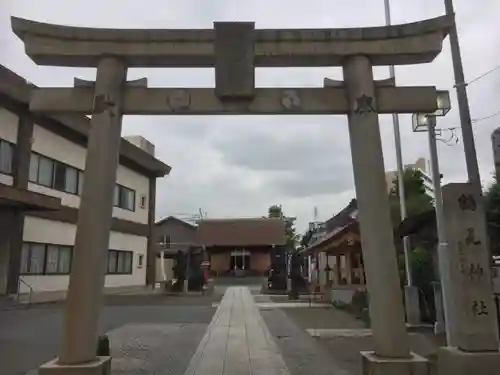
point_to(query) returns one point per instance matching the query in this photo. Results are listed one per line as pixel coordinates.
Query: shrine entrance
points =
(240, 260)
(234, 49)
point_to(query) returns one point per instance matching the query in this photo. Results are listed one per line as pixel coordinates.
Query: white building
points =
(46, 155)
(423, 166)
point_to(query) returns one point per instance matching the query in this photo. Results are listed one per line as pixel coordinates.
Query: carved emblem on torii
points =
(102, 103)
(179, 100)
(364, 104)
(290, 99)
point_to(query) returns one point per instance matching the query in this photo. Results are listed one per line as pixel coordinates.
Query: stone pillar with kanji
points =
(477, 348)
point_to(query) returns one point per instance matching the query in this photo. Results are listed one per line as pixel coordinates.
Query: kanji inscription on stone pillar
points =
(471, 271)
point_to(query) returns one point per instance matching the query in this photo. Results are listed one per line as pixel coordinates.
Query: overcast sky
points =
(238, 166)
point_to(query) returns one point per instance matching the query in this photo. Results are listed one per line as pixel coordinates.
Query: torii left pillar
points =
(85, 293)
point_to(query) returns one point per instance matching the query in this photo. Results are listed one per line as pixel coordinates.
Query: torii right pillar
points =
(391, 355)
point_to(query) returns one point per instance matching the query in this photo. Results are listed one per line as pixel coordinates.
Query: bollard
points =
(103, 349)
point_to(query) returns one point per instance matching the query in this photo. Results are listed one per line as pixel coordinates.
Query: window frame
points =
(55, 165)
(80, 178)
(167, 240)
(44, 271)
(12, 147)
(130, 264)
(52, 164)
(118, 202)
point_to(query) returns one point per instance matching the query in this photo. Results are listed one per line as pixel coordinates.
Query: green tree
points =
(275, 211)
(417, 201)
(492, 206)
(292, 237)
(416, 197)
(423, 273)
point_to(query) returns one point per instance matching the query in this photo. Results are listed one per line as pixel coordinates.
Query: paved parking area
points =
(148, 335)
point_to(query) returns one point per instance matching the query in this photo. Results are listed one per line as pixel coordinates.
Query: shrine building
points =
(242, 246)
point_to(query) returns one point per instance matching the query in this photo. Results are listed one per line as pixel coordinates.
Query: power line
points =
(485, 118)
(478, 78)
(479, 119)
(468, 83)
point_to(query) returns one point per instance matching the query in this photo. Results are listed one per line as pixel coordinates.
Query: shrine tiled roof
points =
(337, 224)
(241, 232)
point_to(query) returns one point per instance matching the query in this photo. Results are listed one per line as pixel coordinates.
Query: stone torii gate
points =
(235, 49)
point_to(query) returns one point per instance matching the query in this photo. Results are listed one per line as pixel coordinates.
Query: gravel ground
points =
(302, 354)
(323, 317)
(30, 337)
(345, 350)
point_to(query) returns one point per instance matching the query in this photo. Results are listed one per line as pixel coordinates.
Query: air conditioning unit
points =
(142, 201)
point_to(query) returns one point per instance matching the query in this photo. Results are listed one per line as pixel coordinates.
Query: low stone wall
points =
(343, 294)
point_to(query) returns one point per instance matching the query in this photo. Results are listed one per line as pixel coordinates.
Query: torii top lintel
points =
(412, 43)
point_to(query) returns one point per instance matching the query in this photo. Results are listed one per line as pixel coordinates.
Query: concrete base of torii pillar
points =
(374, 365)
(100, 366)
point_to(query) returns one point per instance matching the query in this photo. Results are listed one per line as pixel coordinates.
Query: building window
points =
(143, 201)
(6, 156)
(33, 173)
(116, 196)
(71, 180)
(80, 182)
(140, 261)
(59, 176)
(45, 259)
(166, 240)
(112, 259)
(45, 171)
(119, 262)
(54, 174)
(60, 259)
(124, 198)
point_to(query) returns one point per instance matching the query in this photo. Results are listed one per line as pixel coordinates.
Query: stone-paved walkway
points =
(237, 342)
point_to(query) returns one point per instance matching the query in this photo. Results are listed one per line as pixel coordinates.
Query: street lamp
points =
(422, 122)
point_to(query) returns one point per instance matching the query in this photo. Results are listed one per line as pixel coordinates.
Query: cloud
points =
(238, 166)
(303, 156)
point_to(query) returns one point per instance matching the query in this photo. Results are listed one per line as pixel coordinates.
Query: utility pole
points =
(411, 295)
(495, 140)
(463, 105)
